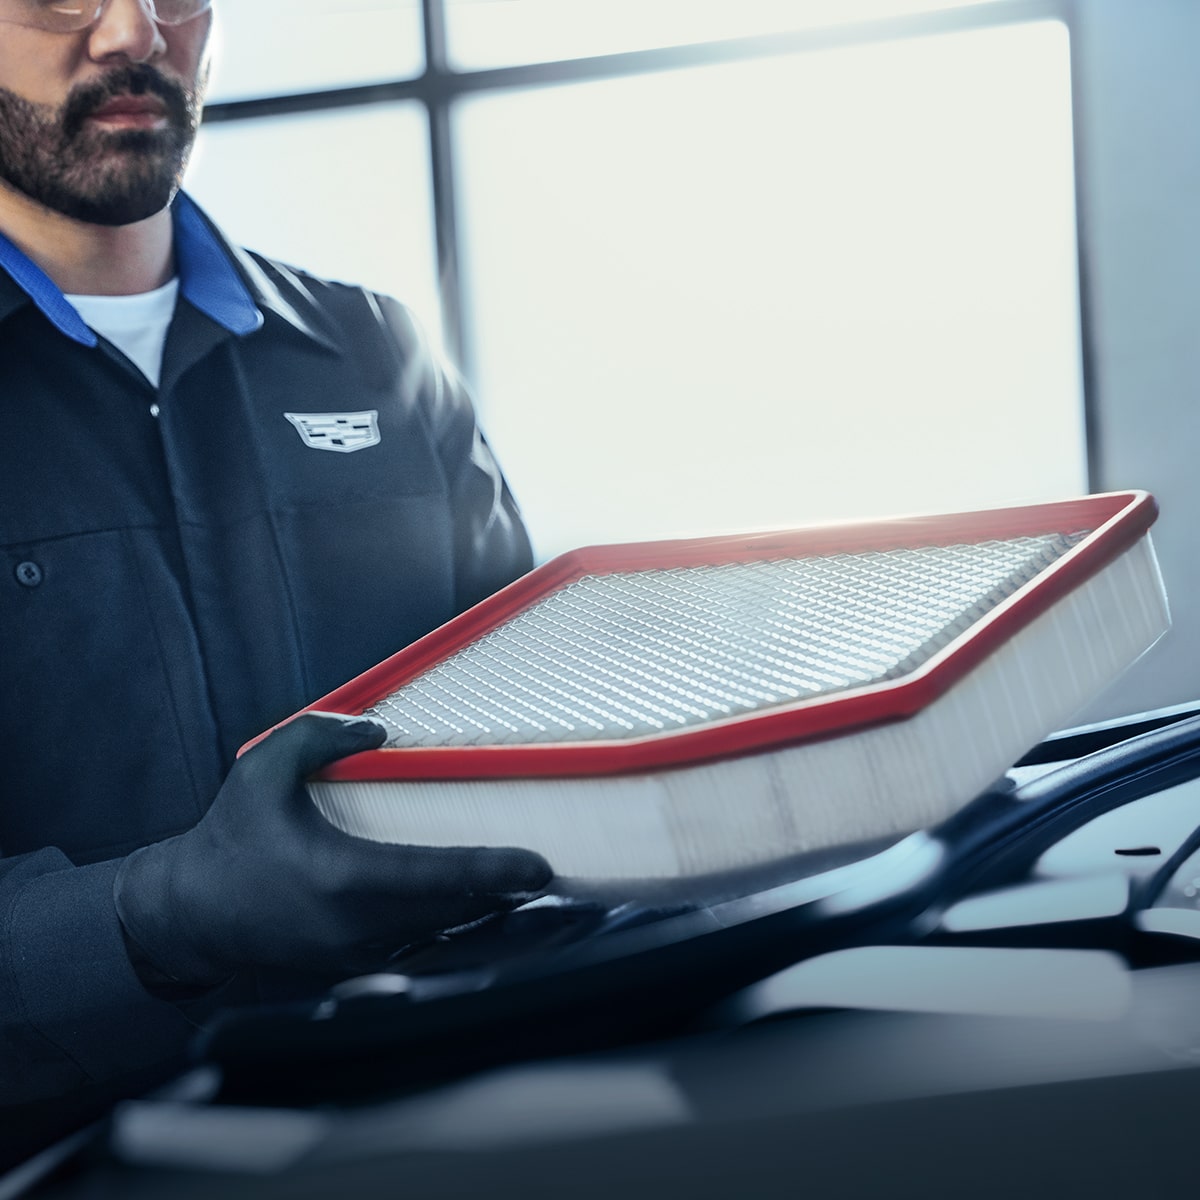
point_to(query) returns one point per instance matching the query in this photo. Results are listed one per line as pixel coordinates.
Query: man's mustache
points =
(137, 79)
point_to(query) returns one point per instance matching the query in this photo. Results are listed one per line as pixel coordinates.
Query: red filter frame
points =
(1112, 523)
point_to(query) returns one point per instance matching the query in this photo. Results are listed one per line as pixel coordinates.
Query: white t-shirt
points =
(136, 325)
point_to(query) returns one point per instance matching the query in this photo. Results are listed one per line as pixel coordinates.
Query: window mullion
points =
(441, 170)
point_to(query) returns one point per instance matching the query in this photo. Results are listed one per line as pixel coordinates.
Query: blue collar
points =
(208, 279)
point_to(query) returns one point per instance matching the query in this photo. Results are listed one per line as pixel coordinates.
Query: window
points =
(827, 285)
(822, 274)
(503, 33)
(276, 47)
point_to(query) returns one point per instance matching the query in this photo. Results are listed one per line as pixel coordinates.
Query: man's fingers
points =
(401, 893)
(505, 870)
(447, 871)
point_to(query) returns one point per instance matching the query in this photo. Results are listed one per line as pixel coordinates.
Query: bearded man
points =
(225, 488)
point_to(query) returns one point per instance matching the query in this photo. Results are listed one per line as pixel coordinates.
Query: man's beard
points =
(102, 176)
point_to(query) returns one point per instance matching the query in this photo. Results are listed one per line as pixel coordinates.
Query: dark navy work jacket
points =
(180, 568)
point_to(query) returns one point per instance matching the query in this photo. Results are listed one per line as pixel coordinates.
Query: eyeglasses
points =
(71, 16)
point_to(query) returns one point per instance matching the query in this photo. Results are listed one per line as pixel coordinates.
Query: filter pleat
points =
(633, 653)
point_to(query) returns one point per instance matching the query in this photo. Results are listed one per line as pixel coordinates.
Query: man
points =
(225, 488)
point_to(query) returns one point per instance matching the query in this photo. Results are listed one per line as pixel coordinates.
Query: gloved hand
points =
(264, 880)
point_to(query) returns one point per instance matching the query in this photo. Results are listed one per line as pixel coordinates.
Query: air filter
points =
(678, 708)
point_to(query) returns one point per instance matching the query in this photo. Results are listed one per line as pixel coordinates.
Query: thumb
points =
(312, 741)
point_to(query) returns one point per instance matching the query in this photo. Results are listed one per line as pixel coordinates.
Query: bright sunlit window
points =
(498, 33)
(829, 285)
(276, 47)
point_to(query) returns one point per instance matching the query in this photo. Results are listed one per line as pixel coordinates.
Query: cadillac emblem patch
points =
(340, 431)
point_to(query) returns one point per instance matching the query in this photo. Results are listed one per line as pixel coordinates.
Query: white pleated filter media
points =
(642, 652)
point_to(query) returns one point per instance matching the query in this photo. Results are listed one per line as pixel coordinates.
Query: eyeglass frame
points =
(81, 21)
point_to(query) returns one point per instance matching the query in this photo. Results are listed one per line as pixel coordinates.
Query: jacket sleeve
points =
(72, 1011)
(492, 547)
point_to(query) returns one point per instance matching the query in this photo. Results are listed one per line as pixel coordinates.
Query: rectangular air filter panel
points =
(678, 708)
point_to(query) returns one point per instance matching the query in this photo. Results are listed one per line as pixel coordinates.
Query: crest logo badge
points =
(339, 431)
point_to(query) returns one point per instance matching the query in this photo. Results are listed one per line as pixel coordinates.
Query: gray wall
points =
(1138, 91)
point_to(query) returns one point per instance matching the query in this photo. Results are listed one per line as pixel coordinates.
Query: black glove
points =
(264, 880)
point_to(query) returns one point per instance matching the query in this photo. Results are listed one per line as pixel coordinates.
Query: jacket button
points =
(28, 574)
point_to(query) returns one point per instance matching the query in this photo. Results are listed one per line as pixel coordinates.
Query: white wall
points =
(1138, 83)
